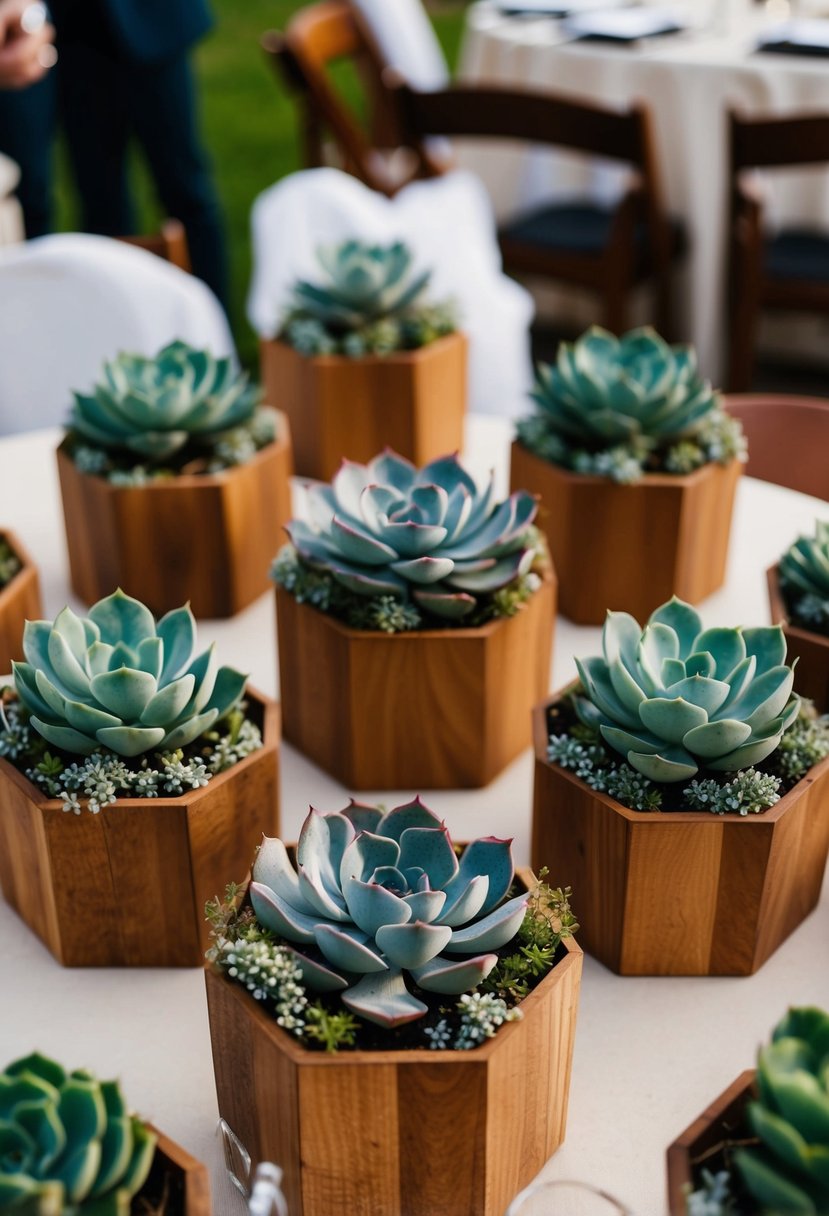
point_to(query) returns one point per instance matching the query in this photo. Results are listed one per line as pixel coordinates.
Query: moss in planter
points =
(266, 966)
(97, 781)
(579, 748)
(9, 563)
(804, 580)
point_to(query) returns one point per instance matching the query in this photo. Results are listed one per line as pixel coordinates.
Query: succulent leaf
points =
(364, 283)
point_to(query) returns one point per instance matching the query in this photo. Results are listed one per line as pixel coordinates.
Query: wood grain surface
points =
(127, 887)
(187, 1179)
(430, 709)
(207, 538)
(399, 1133)
(629, 548)
(412, 401)
(680, 893)
(719, 1122)
(19, 602)
(811, 650)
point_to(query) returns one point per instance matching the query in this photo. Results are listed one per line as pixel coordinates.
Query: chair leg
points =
(742, 338)
(615, 308)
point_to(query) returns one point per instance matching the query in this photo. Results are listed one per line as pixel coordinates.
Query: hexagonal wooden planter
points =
(399, 1133)
(430, 709)
(684, 892)
(19, 602)
(723, 1120)
(180, 1177)
(413, 401)
(811, 675)
(127, 887)
(206, 538)
(631, 547)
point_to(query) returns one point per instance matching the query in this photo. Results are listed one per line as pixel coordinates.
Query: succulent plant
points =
(789, 1171)
(366, 283)
(68, 1144)
(154, 406)
(604, 391)
(674, 698)
(804, 575)
(375, 894)
(116, 679)
(386, 528)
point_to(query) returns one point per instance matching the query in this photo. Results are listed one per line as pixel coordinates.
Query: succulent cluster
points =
(118, 680)
(804, 579)
(68, 1144)
(674, 698)
(9, 562)
(158, 413)
(429, 537)
(377, 896)
(616, 406)
(370, 303)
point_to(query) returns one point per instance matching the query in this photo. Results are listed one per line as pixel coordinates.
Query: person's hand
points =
(26, 51)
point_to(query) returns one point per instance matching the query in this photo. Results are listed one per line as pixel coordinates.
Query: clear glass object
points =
(263, 1187)
(565, 1198)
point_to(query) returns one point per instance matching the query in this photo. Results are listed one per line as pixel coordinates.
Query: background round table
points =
(690, 80)
(650, 1054)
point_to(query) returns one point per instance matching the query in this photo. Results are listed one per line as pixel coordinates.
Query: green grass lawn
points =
(250, 129)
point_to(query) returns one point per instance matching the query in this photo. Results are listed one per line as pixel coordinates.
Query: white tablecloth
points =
(650, 1053)
(690, 80)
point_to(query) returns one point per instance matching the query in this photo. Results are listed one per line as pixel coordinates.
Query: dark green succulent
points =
(68, 1144)
(804, 578)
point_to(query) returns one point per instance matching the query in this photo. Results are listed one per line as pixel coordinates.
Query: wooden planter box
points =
(413, 402)
(811, 675)
(450, 1132)
(19, 602)
(631, 547)
(180, 1177)
(723, 1120)
(127, 887)
(430, 709)
(206, 538)
(686, 892)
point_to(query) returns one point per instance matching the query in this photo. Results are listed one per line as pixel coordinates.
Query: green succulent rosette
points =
(803, 571)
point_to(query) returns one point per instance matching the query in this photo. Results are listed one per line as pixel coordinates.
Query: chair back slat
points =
(758, 143)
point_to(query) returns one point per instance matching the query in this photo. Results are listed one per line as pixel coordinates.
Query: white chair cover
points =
(69, 302)
(448, 224)
(404, 36)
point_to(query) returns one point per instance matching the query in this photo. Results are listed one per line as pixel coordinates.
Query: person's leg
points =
(163, 114)
(27, 130)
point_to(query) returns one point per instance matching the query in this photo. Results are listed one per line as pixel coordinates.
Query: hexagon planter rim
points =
(20, 552)
(660, 479)
(188, 481)
(770, 815)
(197, 1203)
(398, 356)
(779, 609)
(678, 1153)
(270, 736)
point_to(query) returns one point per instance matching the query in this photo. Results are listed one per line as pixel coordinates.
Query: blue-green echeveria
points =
(364, 283)
(375, 896)
(154, 406)
(68, 1144)
(117, 679)
(804, 576)
(789, 1171)
(387, 528)
(674, 697)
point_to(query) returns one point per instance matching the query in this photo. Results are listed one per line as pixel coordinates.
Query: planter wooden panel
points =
(179, 1177)
(631, 547)
(208, 539)
(413, 402)
(19, 602)
(686, 892)
(454, 1132)
(811, 675)
(430, 709)
(723, 1120)
(127, 887)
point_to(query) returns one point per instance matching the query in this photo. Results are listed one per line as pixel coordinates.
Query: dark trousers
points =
(27, 129)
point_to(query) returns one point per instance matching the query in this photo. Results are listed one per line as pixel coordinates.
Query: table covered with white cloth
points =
(690, 80)
(650, 1054)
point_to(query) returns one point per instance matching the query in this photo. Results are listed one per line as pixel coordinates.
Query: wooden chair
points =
(608, 250)
(169, 243)
(785, 271)
(788, 440)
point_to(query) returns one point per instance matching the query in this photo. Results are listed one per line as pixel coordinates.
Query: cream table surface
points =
(690, 80)
(650, 1053)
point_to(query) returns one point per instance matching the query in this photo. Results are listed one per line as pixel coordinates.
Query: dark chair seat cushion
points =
(575, 227)
(796, 253)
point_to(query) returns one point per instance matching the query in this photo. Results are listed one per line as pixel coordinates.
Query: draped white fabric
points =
(404, 36)
(448, 224)
(69, 302)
